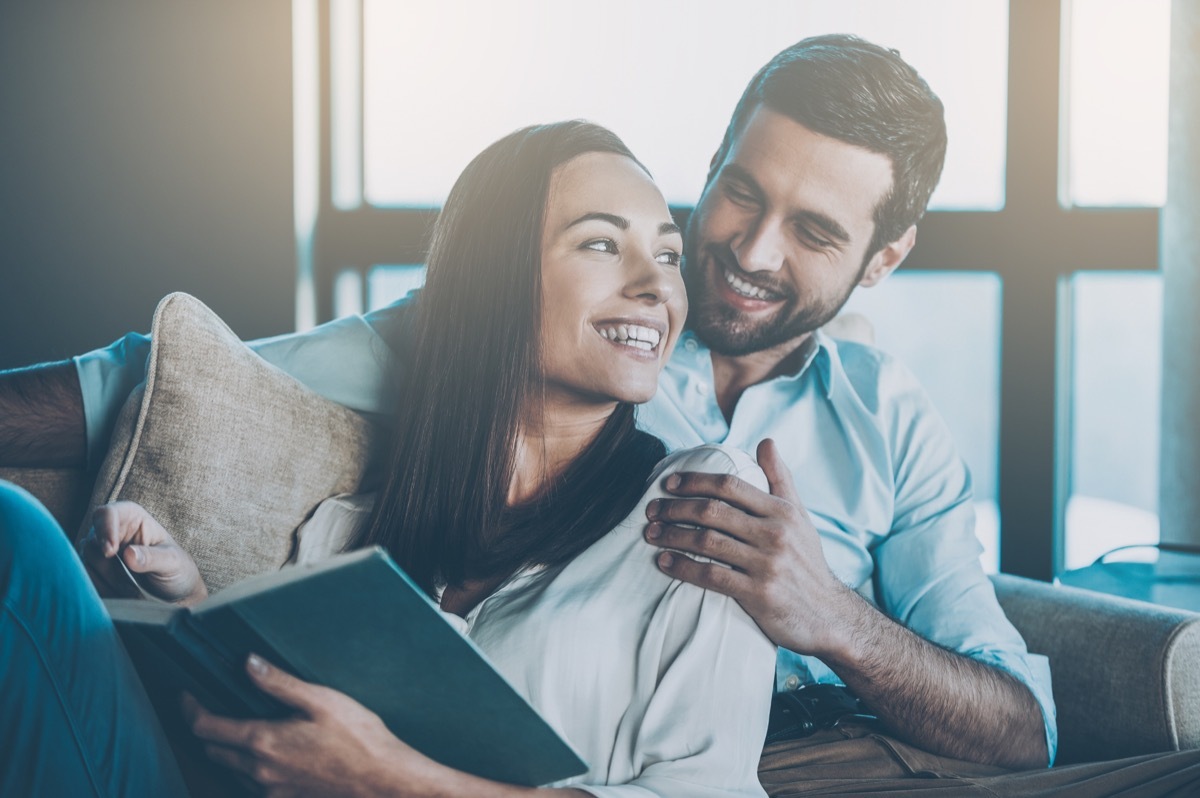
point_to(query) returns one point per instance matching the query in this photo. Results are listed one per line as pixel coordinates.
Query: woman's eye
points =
(670, 257)
(602, 245)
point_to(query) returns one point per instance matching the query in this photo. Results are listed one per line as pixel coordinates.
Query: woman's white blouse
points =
(663, 688)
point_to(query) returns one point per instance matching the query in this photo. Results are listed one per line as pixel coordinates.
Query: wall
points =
(145, 147)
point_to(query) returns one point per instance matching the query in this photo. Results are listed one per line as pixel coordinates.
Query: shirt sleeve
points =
(928, 574)
(696, 726)
(349, 361)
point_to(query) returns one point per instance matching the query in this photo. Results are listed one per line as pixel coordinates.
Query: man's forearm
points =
(939, 700)
(41, 417)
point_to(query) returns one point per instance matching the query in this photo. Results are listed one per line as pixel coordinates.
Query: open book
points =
(358, 624)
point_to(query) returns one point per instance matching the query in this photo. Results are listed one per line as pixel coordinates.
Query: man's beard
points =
(728, 332)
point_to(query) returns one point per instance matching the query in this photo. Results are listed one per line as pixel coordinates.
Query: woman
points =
(516, 497)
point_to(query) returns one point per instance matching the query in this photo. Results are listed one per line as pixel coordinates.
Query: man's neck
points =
(732, 375)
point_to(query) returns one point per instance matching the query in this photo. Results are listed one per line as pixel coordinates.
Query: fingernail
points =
(257, 664)
(666, 560)
(673, 482)
(654, 531)
(652, 509)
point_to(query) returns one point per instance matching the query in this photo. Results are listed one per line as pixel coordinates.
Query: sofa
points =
(232, 455)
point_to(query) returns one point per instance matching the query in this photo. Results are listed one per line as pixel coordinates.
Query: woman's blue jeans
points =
(74, 719)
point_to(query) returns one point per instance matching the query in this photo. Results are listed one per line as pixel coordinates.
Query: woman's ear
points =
(885, 261)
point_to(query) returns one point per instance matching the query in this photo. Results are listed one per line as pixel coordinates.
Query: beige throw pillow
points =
(228, 452)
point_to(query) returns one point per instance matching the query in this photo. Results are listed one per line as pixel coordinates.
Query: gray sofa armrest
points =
(1126, 673)
(64, 491)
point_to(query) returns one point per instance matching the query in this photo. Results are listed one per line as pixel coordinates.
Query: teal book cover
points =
(358, 624)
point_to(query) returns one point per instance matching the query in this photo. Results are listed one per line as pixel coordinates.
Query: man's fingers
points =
(728, 488)
(709, 576)
(707, 513)
(779, 476)
(703, 542)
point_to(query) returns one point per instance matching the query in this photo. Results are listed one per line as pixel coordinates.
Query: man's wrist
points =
(851, 629)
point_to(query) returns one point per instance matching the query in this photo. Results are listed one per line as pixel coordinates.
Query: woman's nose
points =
(652, 281)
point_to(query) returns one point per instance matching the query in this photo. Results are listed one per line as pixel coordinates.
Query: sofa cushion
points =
(1126, 680)
(228, 452)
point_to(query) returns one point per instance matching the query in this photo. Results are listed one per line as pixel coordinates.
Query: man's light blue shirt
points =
(874, 465)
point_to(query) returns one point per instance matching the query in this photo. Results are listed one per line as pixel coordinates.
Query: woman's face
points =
(613, 302)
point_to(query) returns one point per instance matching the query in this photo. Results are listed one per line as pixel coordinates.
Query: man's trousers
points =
(856, 759)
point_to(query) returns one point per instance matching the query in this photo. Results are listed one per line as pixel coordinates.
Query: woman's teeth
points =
(633, 335)
(745, 289)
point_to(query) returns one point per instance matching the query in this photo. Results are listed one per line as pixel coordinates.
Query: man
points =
(826, 168)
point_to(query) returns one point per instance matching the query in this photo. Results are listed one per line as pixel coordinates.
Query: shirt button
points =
(792, 682)
(702, 388)
(690, 345)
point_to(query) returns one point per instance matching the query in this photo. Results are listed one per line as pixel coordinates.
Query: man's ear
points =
(885, 261)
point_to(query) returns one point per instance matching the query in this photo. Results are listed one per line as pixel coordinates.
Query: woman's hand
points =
(127, 531)
(332, 746)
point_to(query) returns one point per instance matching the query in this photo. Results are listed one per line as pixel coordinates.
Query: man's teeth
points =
(746, 289)
(634, 335)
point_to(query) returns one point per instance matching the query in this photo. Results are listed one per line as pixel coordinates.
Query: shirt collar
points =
(821, 354)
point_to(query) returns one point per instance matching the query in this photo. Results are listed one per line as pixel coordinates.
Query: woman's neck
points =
(549, 441)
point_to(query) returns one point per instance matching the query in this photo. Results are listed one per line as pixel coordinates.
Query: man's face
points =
(779, 238)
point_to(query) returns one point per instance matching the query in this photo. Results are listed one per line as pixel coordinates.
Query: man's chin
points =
(732, 335)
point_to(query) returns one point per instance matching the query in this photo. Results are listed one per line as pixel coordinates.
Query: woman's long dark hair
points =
(476, 368)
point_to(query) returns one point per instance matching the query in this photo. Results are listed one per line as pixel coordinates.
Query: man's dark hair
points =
(475, 374)
(854, 91)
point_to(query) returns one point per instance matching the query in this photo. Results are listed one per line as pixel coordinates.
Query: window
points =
(1116, 321)
(443, 80)
(1042, 181)
(1118, 54)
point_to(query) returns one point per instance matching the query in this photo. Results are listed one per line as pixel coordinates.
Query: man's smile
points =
(739, 289)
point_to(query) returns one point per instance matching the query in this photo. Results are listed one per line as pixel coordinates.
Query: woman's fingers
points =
(309, 698)
(120, 523)
(164, 560)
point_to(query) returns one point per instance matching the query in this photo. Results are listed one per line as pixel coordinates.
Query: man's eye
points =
(812, 240)
(602, 245)
(670, 257)
(740, 196)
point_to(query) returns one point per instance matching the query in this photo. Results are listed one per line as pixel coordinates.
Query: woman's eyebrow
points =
(619, 222)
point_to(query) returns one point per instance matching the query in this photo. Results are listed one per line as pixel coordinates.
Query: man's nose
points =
(761, 248)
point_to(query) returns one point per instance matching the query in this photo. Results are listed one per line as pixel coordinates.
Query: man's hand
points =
(128, 531)
(779, 575)
(777, 570)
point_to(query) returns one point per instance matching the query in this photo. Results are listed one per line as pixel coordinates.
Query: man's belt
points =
(812, 707)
